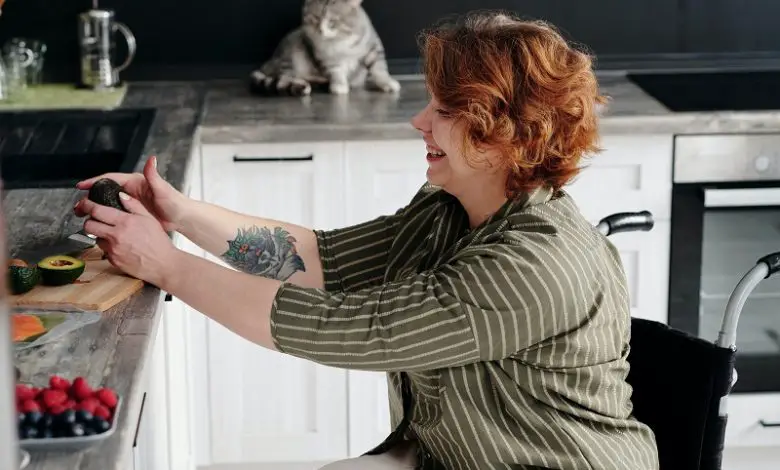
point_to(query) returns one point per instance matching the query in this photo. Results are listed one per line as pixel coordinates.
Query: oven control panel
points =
(705, 158)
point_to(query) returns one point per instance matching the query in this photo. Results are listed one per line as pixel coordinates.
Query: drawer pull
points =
(768, 424)
(305, 158)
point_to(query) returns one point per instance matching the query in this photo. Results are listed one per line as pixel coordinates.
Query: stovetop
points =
(713, 91)
(57, 148)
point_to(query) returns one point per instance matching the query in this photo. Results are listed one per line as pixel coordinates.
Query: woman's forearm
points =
(240, 302)
(261, 247)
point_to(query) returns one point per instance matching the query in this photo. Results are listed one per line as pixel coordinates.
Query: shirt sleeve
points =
(356, 257)
(488, 304)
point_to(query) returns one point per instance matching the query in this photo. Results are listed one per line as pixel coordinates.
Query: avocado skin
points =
(53, 275)
(105, 191)
(22, 278)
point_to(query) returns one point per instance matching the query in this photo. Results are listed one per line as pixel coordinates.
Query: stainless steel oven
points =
(725, 216)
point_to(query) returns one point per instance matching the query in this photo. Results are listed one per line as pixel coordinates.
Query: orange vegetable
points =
(26, 326)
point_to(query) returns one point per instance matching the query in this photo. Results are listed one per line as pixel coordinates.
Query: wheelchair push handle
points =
(765, 267)
(772, 262)
(626, 222)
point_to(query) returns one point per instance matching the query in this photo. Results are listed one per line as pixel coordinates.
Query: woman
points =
(500, 315)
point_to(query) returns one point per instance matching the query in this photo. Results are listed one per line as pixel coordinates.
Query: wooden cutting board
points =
(100, 287)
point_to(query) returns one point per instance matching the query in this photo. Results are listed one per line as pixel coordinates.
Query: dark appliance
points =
(725, 216)
(712, 91)
(58, 148)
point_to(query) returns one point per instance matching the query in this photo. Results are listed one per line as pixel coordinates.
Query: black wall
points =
(181, 38)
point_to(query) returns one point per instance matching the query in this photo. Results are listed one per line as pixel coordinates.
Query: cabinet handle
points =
(305, 158)
(769, 424)
(140, 417)
(168, 297)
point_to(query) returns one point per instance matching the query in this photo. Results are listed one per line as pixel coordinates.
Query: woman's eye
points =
(442, 112)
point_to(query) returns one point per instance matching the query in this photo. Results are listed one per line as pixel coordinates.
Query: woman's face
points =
(447, 167)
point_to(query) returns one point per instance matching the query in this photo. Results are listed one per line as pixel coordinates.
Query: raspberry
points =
(69, 404)
(80, 389)
(89, 404)
(102, 412)
(53, 397)
(59, 383)
(56, 409)
(29, 406)
(24, 393)
(107, 397)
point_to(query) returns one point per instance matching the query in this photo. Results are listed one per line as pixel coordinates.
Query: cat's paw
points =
(387, 85)
(339, 88)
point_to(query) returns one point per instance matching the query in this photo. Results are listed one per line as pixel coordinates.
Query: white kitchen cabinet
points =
(751, 445)
(266, 406)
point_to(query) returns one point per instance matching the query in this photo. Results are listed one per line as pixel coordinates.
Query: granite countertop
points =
(113, 351)
(232, 115)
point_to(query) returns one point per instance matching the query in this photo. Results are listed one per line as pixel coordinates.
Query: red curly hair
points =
(518, 87)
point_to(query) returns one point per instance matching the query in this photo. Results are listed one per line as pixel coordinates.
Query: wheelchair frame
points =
(765, 267)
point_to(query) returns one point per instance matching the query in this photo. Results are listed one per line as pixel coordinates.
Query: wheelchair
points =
(686, 407)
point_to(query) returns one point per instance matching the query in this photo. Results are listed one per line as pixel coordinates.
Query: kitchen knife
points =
(74, 245)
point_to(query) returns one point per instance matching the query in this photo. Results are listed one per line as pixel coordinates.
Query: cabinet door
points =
(381, 177)
(266, 406)
(633, 173)
(645, 257)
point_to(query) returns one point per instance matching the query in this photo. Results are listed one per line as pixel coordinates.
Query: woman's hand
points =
(159, 198)
(134, 242)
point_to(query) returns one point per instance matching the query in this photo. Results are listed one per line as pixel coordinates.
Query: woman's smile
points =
(434, 153)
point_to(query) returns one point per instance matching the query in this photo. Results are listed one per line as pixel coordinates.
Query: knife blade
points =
(73, 245)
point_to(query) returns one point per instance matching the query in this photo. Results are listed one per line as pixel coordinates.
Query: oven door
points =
(718, 233)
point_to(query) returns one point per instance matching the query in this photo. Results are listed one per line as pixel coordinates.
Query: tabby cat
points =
(335, 47)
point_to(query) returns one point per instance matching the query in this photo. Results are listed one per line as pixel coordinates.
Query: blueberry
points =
(47, 433)
(100, 425)
(66, 418)
(83, 416)
(46, 422)
(88, 431)
(76, 430)
(33, 417)
(27, 432)
(21, 418)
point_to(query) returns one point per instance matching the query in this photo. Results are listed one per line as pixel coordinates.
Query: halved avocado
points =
(59, 270)
(21, 276)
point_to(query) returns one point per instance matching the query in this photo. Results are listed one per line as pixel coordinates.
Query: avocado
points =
(105, 191)
(59, 270)
(22, 277)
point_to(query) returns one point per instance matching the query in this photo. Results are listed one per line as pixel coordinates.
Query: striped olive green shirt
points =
(514, 335)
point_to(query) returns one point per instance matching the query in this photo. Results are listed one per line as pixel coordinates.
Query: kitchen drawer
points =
(630, 174)
(754, 419)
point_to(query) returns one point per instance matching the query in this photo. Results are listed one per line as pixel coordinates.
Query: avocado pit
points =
(59, 270)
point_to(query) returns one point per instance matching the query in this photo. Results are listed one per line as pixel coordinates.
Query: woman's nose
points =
(422, 121)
